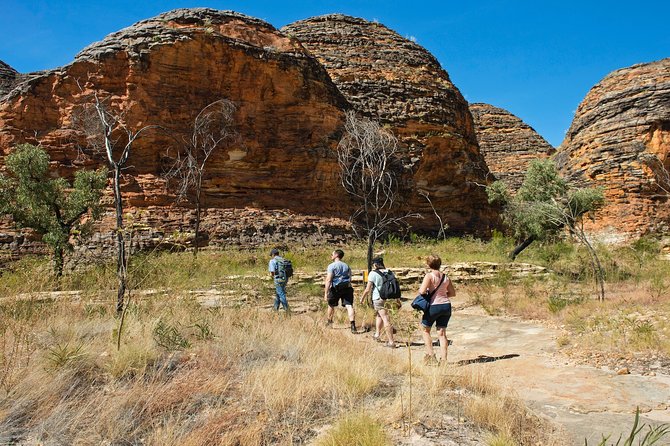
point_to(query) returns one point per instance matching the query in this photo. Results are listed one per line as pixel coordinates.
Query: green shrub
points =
(169, 337)
(355, 430)
(653, 436)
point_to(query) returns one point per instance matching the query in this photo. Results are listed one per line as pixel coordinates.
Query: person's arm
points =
(451, 291)
(424, 285)
(271, 268)
(368, 290)
(329, 281)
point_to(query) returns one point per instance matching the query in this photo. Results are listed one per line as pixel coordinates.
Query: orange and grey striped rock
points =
(507, 143)
(620, 140)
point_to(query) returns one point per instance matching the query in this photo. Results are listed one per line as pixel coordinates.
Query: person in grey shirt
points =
(382, 317)
(338, 288)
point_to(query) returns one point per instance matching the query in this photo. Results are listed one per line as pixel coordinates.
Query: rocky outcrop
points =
(163, 71)
(507, 143)
(395, 81)
(620, 140)
(8, 77)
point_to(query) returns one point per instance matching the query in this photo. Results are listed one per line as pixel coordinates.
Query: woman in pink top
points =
(440, 308)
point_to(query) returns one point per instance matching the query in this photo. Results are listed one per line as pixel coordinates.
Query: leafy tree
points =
(545, 205)
(52, 207)
(370, 171)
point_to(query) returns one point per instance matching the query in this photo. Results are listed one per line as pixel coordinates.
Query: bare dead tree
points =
(213, 127)
(442, 232)
(370, 172)
(660, 171)
(107, 133)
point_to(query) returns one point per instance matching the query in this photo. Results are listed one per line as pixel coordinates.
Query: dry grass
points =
(257, 378)
(631, 321)
(186, 375)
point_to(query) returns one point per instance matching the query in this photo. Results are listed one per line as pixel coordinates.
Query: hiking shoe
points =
(353, 330)
(375, 337)
(390, 345)
(430, 360)
(329, 324)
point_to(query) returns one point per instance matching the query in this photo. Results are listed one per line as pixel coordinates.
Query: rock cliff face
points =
(507, 143)
(8, 77)
(162, 71)
(283, 170)
(620, 140)
(397, 82)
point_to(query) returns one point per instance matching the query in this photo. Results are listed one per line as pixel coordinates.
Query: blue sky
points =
(536, 59)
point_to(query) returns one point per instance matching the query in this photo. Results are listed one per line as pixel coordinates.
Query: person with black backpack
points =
(383, 285)
(280, 270)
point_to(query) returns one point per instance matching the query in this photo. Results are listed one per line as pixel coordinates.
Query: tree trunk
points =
(120, 242)
(59, 254)
(525, 244)
(197, 219)
(371, 242)
(597, 267)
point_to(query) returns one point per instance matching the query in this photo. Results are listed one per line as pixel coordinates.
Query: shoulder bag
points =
(422, 301)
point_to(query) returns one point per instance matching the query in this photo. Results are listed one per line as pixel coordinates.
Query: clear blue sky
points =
(537, 59)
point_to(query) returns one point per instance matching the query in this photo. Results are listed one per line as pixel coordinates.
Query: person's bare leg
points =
(330, 313)
(378, 325)
(384, 316)
(444, 343)
(427, 340)
(350, 312)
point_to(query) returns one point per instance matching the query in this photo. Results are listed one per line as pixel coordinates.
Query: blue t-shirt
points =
(340, 271)
(272, 266)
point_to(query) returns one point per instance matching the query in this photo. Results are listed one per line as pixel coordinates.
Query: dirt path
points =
(587, 401)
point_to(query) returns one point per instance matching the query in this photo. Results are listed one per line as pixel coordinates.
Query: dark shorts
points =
(342, 292)
(438, 315)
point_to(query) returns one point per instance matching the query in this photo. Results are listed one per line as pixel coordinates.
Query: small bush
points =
(653, 436)
(355, 430)
(61, 355)
(169, 337)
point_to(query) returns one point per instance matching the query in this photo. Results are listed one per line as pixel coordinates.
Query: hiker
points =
(439, 312)
(338, 288)
(382, 317)
(279, 278)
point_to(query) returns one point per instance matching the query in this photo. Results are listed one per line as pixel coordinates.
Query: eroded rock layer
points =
(507, 143)
(8, 77)
(397, 82)
(620, 140)
(163, 71)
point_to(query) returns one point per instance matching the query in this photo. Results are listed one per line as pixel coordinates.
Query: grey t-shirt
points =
(340, 271)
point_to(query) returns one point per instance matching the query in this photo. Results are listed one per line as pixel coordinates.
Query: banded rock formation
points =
(620, 140)
(8, 76)
(395, 81)
(507, 143)
(162, 71)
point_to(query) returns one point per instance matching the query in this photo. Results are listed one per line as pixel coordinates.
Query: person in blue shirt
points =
(338, 288)
(279, 280)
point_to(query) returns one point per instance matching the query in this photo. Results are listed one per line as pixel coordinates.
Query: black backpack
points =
(390, 288)
(284, 268)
